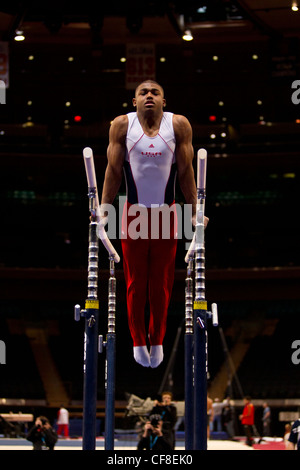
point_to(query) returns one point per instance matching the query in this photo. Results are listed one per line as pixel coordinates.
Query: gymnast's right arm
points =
(115, 159)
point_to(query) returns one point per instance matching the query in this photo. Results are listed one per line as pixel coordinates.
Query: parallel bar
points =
(196, 336)
(200, 273)
(110, 364)
(93, 261)
(93, 193)
(200, 314)
(189, 299)
(90, 172)
(110, 372)
(91, 342)
(201, 169)
(200, 382)
(91, 345)
(189, 359)
(90, 380)
(189, 391)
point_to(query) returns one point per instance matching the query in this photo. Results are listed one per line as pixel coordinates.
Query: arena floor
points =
(130, 444)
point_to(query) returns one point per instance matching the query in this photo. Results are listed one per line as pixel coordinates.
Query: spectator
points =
(210, 415)
(168, 413)
(217, 412)
(63, 422)
(42, 435)
(228, 418)
(294, 438)
(287, 432)
(152, 438)
(266, 420)
(247, 420)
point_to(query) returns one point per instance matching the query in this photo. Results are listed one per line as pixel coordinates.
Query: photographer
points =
(42, 435)
(168, 412)
(152, 438)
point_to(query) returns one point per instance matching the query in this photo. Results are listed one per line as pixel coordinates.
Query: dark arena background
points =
(236, 81)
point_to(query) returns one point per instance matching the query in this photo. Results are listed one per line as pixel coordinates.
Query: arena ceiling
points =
(115, 20)
(58, 30)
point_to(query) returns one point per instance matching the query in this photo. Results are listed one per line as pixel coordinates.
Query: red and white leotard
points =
(149, 264)
(150, 168)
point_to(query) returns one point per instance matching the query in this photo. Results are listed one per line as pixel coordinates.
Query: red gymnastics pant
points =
(149, 265)
(63, 428)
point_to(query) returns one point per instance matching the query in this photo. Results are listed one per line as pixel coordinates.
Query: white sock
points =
(141, 355)
(156, 355)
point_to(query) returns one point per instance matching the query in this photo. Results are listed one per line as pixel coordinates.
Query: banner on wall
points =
(4, 63)
(140, 64)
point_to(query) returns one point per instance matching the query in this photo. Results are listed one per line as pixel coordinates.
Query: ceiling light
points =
(187, 36)
(295, 6)
(123, 59)
(19, 36)
(29, 123)
(215, 58)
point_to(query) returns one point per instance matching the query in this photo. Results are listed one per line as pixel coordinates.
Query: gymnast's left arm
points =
(184, 159)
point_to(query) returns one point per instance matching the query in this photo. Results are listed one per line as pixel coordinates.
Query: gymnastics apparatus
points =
(196, 317)
(93, 344)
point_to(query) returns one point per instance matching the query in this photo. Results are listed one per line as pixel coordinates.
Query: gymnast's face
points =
(149, 96)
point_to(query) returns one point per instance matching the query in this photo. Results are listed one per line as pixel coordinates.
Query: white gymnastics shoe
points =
(156, 355)
(141, 355)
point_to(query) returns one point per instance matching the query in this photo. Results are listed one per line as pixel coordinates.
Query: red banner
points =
(4, 67)
(140, 64)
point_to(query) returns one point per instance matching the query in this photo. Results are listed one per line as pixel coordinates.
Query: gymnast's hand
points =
(194, 220)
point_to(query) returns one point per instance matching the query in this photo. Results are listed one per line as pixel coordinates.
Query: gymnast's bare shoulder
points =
(118, 129)
(182, 127)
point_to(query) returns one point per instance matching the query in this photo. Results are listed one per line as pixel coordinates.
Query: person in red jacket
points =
(247, 420)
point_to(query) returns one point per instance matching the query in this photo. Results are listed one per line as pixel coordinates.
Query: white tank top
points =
(150, 168)
(63, 416)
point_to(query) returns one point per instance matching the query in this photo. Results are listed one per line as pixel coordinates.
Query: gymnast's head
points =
(149, 95)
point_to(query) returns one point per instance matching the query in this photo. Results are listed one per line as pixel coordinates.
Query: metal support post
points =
(189, 359)
(110, 364)
(196, 315)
